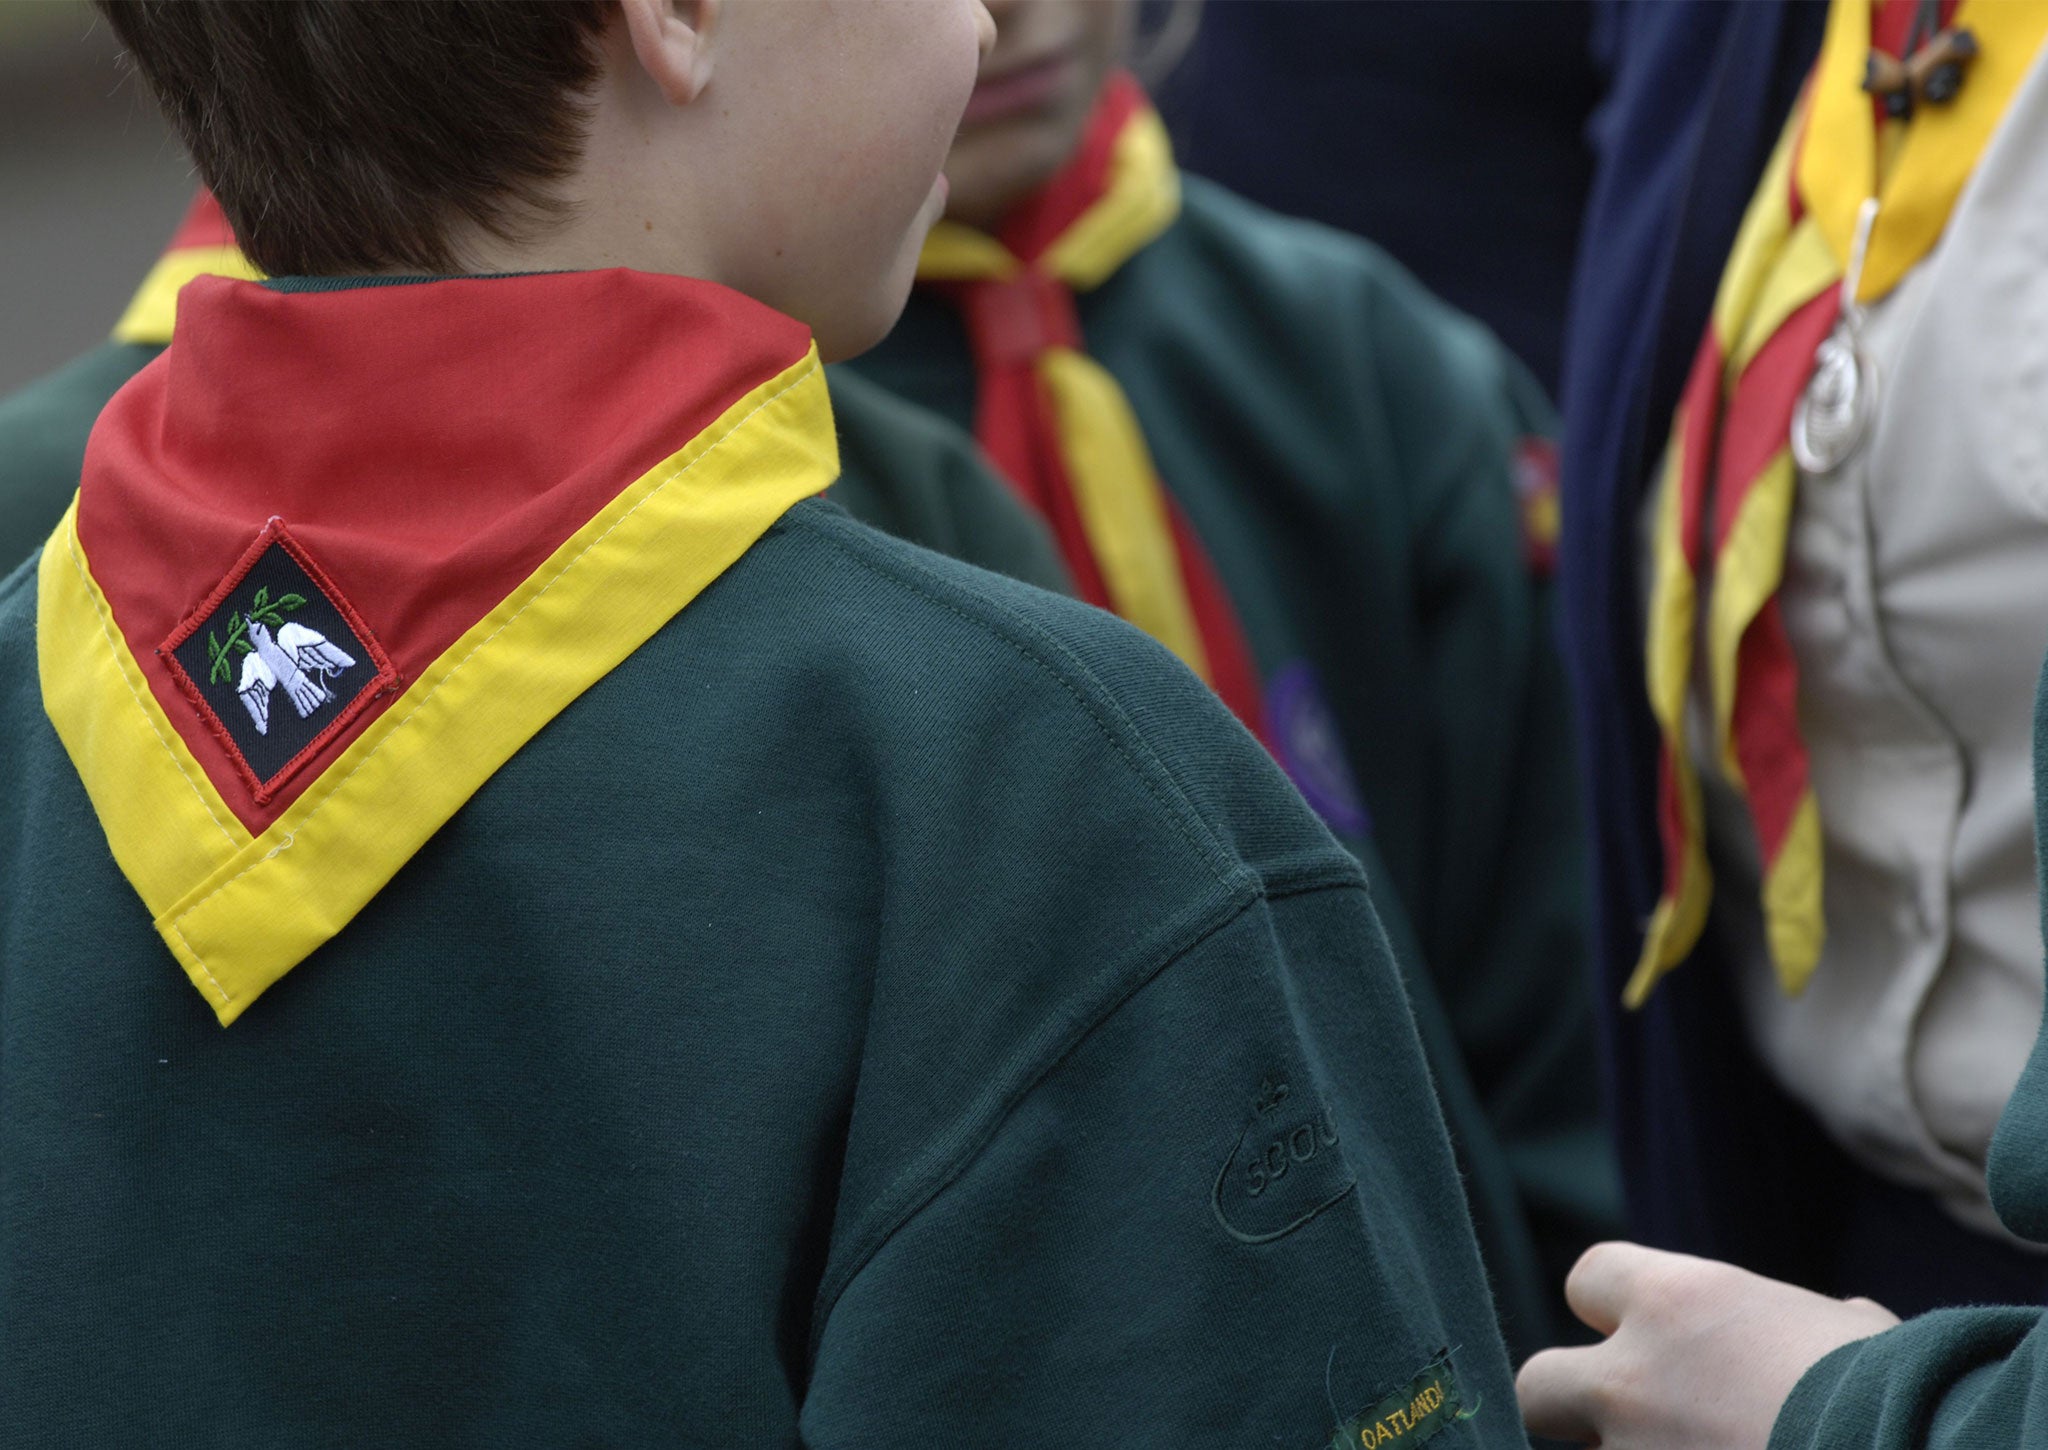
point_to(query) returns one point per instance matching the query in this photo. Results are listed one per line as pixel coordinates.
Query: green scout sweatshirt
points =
(1344, 447)
(902, 469)
(870, 1003)
(1972, 1379)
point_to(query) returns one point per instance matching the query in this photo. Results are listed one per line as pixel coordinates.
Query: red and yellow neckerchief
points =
(318, 585)
(203, 246)
(1056, 423)
(1725, 507)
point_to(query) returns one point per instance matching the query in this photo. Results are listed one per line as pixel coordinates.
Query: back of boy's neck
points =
(581, 242)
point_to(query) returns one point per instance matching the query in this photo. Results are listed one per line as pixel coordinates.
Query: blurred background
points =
(1451, 132)
(91, 183)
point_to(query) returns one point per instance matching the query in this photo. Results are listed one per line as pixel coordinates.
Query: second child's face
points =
(1032, 100)
(851, 106)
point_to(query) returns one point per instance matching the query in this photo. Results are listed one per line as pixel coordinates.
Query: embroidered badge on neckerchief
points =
(1057, 424)
(1725, 502)
(284, 645)
(337, 555)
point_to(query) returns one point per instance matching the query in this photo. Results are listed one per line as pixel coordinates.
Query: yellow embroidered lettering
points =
(1409, 1416)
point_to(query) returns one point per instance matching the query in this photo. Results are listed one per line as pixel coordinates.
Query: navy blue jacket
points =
(1451, 135)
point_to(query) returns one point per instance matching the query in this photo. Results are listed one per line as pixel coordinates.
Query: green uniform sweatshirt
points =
(1345, 448)
(870, 1002)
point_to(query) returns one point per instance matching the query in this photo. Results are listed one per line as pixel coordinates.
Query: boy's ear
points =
(672, 39)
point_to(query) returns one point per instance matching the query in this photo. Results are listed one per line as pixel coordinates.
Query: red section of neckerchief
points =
(1009, 323)
(429, 445)
(1739, 434)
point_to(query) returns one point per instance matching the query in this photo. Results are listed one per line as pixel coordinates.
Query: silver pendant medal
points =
(1833, 415)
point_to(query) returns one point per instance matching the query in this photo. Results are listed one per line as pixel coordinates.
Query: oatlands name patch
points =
(1410, 1415)
(275, 660)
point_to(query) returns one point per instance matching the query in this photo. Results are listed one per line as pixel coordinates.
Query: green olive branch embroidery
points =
(220, 655)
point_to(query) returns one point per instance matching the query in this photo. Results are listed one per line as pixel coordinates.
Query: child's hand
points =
(1698, 1356)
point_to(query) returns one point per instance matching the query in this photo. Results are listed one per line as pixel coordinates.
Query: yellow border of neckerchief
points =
(239, 912)
(153, 310)
(1139, 202)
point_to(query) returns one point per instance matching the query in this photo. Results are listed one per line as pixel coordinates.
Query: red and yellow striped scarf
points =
(1725, 508)
(1056, 423)
(203, 246)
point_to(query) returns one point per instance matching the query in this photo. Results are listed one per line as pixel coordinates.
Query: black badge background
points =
(267, 754)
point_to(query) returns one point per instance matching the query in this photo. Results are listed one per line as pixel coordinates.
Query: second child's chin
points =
(858, 323)
(853, 331)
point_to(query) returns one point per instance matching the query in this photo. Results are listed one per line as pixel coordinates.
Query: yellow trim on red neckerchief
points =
(1116, 486)
(240, 911)
(154, 307)
(1140, 200)
(1781, 264)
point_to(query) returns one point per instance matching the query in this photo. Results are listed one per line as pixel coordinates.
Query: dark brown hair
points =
(346, 136)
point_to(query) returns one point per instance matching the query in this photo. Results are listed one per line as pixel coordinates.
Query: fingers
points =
(1558, 1393)
(1603, 1282)
(1695, 1352)
(1565, 1393)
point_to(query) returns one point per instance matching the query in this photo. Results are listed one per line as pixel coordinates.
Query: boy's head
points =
(788, 148)
(1033, 99)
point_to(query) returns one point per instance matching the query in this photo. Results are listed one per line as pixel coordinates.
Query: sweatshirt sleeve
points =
(1226, 1215)
(1504, 913)
(1958, 1379)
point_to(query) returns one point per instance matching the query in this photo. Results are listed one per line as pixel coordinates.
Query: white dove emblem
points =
(298, 658)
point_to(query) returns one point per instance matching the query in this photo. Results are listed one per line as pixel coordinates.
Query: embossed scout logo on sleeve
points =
(1283, 1170)
(276, 660)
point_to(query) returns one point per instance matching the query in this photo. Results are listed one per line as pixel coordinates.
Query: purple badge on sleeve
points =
(1310, 750)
